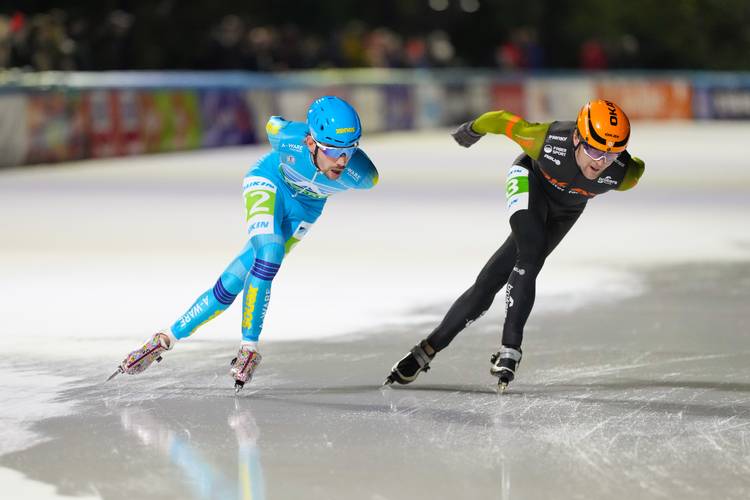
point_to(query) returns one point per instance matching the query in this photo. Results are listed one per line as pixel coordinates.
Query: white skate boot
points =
(140, 359)
(243, 366)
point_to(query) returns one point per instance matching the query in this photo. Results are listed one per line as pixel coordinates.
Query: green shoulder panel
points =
(530, 136)
(634, 171)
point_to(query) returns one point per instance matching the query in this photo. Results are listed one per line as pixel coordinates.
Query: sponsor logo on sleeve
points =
(547, 148)
(551, 158)
(557, 150)
(255, 182)
(260, 199)
(607, 180)
(581, 192)
(193, 312)
(517, 171)
(260, 224)
(294, 147)
(560, 138)
(353, 174)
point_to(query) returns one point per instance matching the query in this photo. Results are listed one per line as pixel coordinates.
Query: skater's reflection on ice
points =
(204, 478)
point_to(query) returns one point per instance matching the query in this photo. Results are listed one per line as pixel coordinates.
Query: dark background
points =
(278, 36)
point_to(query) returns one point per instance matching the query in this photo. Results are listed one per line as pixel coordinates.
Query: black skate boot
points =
(504, 365)
(411, 365)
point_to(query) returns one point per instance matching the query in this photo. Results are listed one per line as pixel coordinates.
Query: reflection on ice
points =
(162, 435)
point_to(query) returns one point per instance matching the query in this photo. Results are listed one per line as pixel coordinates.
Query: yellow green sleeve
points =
(530, 136)
(634, 171)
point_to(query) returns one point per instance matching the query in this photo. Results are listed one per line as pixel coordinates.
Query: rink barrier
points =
(53, 117)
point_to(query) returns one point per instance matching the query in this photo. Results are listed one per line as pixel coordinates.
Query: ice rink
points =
(634, 384)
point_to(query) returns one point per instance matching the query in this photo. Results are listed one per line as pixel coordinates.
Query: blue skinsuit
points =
(284, 195)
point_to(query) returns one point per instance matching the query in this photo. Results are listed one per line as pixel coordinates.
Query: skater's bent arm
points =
(360, 172)
(530, 136)
(274, 126)
(635, 168)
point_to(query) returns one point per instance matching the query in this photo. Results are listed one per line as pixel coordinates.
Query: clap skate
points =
(504, 365)
(140, 359)
(243, 367)
(411, 365)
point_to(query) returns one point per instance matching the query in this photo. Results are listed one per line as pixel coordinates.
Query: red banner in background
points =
(129, 122)
(649, 99)
(113, 123)
(509, 97)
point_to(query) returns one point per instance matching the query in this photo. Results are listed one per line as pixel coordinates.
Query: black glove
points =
(465, 136)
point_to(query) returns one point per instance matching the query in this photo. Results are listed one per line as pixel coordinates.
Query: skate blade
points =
(388, 381)
(502, 387)
(116, 373)
(238, 387)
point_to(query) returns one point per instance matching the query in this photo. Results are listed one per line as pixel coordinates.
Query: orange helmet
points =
(603, 125)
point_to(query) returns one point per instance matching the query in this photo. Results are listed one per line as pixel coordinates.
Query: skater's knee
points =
(530, 262)
(267, 261)
(487, 285)
(231, 283)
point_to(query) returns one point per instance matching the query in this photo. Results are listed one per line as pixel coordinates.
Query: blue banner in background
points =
(226, 118)
(722, 103)
(399, 104)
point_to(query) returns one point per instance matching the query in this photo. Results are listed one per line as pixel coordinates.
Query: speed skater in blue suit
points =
(284, 194)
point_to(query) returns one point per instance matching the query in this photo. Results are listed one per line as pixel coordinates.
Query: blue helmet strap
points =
(315, 156)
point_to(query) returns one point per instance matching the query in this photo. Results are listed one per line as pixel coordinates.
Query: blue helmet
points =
(334, 122)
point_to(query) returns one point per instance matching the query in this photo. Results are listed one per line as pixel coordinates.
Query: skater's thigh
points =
(241, 264)
(528, 222)
(264, 208)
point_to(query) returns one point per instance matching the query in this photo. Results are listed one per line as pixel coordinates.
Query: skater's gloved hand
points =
(465, 135)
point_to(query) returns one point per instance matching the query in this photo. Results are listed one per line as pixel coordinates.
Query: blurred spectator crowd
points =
(420, 34)
(52, 41)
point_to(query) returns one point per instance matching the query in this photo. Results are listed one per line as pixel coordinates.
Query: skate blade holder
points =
(502, 386)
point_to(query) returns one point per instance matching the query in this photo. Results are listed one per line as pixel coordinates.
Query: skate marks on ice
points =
(649, 400)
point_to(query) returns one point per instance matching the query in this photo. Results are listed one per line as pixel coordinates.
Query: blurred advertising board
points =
(113, 122)
(171, 120)
(430, 101)
(722, 102)
(399, 107)
(262, 104)
(293, 103)
(55, 127)
(13, 133)
(509, 97)
(649, 99)
(226, 119)
(556, 98)
(60, 117)
(370, 103)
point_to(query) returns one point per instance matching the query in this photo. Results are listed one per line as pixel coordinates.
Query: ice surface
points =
(650, 398)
